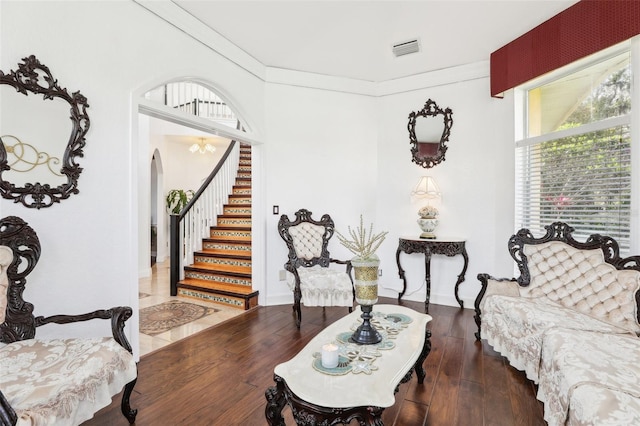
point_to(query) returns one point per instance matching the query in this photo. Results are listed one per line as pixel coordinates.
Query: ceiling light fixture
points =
(202, 147)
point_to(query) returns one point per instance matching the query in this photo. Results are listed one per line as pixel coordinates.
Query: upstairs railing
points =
(193, 223)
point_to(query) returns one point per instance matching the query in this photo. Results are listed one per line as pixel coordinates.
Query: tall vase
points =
(366, 285)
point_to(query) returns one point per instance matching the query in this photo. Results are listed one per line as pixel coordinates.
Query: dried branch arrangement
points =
(361, 243)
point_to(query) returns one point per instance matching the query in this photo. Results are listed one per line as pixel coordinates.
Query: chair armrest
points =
(490, 286)
(349, 267)
(502, 286)
(118, 316)
(8, 416)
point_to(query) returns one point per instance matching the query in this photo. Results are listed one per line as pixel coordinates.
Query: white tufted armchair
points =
(308, 274)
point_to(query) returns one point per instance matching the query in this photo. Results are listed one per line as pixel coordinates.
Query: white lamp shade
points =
(427, 188)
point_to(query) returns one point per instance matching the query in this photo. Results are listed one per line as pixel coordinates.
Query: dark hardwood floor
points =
(219, 376)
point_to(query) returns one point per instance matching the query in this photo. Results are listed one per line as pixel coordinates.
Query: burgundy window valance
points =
(584, 28)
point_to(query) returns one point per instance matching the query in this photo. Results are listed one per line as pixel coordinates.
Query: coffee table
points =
(330, 397)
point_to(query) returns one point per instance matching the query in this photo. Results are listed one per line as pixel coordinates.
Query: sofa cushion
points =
(590, 378)
(323, 286)
(63, 381)
(582, 280)
(515, 326)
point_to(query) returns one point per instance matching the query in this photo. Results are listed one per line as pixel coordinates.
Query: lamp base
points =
(428, 236)
(366, 334)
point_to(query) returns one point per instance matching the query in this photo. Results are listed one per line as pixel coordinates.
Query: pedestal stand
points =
(366, 334)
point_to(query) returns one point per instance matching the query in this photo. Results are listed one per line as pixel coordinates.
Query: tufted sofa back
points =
(580, 279)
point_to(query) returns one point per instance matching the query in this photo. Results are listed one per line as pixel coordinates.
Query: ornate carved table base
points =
(316, 398)
(429, 247)
(306, 413)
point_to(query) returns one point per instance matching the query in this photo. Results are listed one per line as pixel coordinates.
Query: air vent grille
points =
(406, 47)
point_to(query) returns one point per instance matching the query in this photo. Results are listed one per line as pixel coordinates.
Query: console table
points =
(319, 398)
(447, 247)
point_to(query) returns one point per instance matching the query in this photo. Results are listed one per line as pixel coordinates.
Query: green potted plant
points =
(177, 199)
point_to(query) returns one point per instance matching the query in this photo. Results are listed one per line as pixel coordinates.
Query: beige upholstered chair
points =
(309, 276)
(61, 381)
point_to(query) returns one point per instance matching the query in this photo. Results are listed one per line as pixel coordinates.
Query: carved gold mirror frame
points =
(34, 78)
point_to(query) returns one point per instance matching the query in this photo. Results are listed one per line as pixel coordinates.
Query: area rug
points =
(165, 316)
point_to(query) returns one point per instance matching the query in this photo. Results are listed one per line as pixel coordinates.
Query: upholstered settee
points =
(590, 378)
(570, 295)
(54, 381)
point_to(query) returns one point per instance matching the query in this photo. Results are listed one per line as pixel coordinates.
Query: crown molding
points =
(193, 27)
(187, 23)
(320, 81)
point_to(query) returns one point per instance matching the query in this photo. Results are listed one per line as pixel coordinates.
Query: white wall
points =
(90, 241)
(181, 169)
(475, 180)
(348, 154)
(320, 155)
(330, 151)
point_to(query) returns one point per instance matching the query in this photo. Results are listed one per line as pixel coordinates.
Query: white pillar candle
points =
(329, 355)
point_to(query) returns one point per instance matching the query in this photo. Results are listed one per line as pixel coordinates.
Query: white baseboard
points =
(438, 299)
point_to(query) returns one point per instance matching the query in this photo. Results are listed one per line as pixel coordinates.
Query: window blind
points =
(583, 180)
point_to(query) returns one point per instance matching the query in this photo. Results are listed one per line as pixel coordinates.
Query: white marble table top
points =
(445, 239)
(354, 390)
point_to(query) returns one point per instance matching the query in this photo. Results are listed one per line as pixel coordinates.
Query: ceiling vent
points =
(406, 47)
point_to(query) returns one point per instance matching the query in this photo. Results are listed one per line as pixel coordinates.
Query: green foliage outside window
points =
(583, 179)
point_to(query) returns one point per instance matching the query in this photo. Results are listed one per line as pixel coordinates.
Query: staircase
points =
(221, 272)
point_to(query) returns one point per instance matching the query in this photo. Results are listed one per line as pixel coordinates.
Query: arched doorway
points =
(160, 127)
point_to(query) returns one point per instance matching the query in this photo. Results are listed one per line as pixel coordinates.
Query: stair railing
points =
(193, 223)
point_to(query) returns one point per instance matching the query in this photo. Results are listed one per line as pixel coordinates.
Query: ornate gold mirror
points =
(42, 133)
(429, 131)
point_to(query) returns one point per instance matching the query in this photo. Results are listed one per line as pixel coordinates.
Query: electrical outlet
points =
(380, 272)
(282, 274)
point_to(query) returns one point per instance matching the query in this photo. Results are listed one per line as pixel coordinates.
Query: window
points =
(573, 162)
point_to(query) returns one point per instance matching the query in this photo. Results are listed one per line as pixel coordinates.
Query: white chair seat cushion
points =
(323, 286)
(590, 378)
(515, 327)
(63, 381)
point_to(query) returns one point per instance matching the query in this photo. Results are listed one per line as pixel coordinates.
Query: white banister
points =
(195, 221)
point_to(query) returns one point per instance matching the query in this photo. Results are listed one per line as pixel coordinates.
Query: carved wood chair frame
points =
(20, 323)
(295, 262)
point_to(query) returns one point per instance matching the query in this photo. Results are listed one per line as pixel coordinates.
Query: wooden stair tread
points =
(223, 256)
(215, 269)
(226, 239)
(223, 274)
(245, 271)
(226, 228)
(241, 290)
(230, 238)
